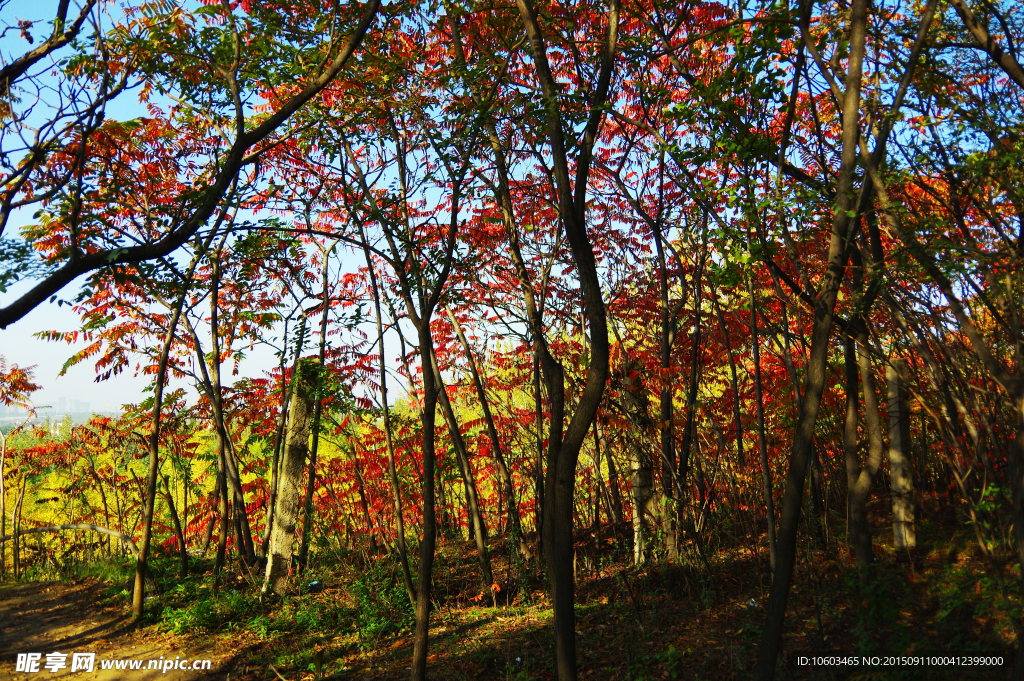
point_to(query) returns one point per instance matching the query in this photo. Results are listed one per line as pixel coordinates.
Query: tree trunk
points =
(286, 394)
(476, 522)
(858, 531)
(233, 477)
(564, 443)
(505, 475)
(225, 518)
(538, 494)
(691, 394)
(403, 552)
(429, 542)
(125, 540)
(3, 504)
(666, 411)
(286, 510)
(634, 402)
(363, 500)
(762, 441)
(139, 593)
(318, 407)
(817, 519)
(16, 527)
(211, 519)
(900, 467)
(182, 549)
(613, 475)
(824, 308)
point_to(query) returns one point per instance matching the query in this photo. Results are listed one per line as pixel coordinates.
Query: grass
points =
(665, 620)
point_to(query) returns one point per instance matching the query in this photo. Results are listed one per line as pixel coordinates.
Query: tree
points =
(16, 388)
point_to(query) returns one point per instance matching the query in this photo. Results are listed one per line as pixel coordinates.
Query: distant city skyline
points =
(63, 406)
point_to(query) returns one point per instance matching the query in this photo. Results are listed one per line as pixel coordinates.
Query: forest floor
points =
(351, 619)
(68, 617)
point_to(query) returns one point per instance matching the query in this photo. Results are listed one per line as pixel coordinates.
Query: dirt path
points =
(69, 618)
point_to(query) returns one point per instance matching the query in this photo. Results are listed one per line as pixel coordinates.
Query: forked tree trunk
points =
(564, 445)
(286, 511)
(212, 518)
(860, 478)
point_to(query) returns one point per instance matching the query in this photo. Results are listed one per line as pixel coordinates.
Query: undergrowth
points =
(696, 617)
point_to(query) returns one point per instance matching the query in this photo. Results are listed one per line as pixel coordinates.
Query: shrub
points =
(383, 605)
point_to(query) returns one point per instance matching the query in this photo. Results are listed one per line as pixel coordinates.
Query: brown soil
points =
(70, 618)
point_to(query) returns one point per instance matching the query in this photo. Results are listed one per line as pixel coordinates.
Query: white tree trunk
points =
(902, 483)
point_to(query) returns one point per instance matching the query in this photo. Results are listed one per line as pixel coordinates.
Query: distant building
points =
(62, 405)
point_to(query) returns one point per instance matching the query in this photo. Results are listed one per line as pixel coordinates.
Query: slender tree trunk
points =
(734, 379)
(212, 517)
(117, 507)
(364, 501)
(694, 383)
(476, 522)
(538, 495)
(601, 485)
(178, 533)
(403, 552)
(233, 477)
(641, 467)
(138, 596)
(613, 475)
(505, 475)
(858, 531)
(3, 504)
(318, 407)
(816, 521)
(106, 531)
(762, 442)
(16, 527)
(824, 308)
(666, 412)
(225, 518)
(876, 449)
(103, 496)
(429, 543)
